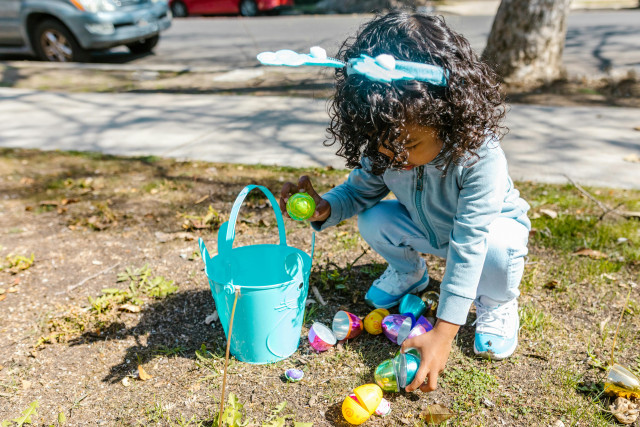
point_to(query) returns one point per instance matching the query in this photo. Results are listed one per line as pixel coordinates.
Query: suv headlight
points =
(95, 5)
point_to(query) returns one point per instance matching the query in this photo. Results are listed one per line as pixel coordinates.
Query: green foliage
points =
(16, 263)
(233, 413)
(25, 418)
(533, 319)
(140, 283)
(469, 386)
(62, 419)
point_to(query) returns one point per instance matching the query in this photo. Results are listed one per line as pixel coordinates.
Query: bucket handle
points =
(230, 226)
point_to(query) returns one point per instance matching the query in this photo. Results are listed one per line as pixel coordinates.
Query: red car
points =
(181, 8)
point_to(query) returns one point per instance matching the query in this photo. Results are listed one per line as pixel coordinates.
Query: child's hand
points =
(323, 208)
(434, 348)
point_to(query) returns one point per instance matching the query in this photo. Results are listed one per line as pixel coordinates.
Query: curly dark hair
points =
(367, 114)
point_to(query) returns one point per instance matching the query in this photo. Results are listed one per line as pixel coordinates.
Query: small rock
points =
(488, 403)
(211, 318)
(126, 382)
(313, 400)
(558, 423)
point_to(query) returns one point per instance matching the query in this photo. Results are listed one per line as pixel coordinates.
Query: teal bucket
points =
(271, 280)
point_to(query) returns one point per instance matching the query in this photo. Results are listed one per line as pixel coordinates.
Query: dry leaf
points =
(631, 214)
(12, 290)
(2, 296)
(1, 367)
(550, 213)
(624, 411)
(552, 284)
(126, 382)
(166, 237)
(603, 324)
(591, 253)
(436, 414)
(142, 374)
(131, 308)
(633, 158)
(636, 128)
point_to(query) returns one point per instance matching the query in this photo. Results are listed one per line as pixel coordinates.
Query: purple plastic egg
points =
(391, 325)
(293, 375)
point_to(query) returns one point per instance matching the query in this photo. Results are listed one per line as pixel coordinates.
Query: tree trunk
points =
(527, 40)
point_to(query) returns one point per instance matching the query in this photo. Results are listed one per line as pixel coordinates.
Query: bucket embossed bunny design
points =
(272, 281)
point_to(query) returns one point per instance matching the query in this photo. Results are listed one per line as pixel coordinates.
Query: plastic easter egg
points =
(321, 337)
(405, 366)
(373, 321)
(385, 376)
(346, 325)
(391, 325)
(412, 351)
(425, 323)
(412, 304)
(369, 396)
(301, 206)
(384, 408)
(293, 375)
(353, 412)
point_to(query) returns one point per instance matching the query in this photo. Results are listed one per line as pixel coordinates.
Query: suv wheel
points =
(53, 42)
(144, 46)
(179, 10)
(248, 8)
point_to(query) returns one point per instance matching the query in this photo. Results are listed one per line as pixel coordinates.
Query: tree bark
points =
(527, 39)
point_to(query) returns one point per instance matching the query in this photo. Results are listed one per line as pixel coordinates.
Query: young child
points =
(434, 143)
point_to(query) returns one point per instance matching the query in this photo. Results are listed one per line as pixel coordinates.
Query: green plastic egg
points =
(301, 206)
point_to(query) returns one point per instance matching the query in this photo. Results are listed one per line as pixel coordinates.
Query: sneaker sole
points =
(420, 286)
(496, 356)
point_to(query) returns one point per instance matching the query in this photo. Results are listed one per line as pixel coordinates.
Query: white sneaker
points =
(497, 326)
(388, 289)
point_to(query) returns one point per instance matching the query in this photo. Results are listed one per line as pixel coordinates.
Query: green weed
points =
(25, 418)
(533, 319)
(469, 386)
(17, 263)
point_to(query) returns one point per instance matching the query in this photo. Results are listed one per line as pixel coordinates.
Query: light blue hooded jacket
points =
(455, 210)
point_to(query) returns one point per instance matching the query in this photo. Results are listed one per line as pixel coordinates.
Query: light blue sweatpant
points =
(390, 231)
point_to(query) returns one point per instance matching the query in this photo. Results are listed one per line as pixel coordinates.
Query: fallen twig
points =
(85, 280)
(316, 292)
(602, 206)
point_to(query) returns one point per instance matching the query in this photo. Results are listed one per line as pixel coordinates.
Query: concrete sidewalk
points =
(589, 145)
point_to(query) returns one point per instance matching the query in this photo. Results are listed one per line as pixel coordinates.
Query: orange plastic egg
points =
(373, 321)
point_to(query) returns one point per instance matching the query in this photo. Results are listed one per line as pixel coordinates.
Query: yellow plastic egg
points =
(370, 396)
(373, 321)
(353, 412)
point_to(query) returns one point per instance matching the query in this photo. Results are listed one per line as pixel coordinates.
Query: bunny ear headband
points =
(383, 68)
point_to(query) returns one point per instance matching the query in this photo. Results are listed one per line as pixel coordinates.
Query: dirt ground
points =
(72, 336)
(622, 91)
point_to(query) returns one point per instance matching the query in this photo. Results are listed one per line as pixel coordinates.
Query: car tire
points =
(144, 46)
(248, 8)
(53, 42)
(179, 9)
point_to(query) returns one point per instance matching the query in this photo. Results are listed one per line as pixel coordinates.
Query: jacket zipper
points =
(423, 218)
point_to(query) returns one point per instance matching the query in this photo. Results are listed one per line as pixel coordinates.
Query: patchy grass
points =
(81, 213)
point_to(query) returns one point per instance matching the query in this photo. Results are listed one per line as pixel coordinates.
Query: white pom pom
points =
(318, 52)
(386, 61)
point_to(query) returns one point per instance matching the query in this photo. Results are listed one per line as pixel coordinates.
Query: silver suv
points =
(67, 30)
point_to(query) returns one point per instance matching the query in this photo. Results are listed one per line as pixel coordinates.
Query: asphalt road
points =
(597, 41)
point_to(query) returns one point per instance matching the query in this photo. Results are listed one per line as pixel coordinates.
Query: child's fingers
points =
(422, 373)
(304, 184)
(432, 382)
(288, 189)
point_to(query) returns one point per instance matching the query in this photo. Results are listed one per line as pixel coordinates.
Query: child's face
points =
(422, 144)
